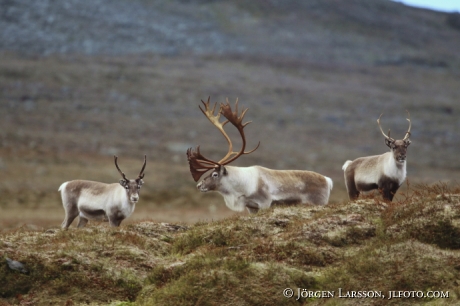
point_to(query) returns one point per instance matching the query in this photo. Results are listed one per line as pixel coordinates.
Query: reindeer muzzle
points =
(200, 187)
(401, 158)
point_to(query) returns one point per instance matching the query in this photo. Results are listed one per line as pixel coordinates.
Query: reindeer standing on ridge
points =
(253, 187)
(385, 172)
(99, 201)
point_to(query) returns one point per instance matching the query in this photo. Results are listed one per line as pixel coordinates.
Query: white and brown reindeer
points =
(252, 187)
(385, 172)
(99, 201)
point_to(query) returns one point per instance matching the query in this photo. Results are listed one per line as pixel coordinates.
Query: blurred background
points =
(83, 80)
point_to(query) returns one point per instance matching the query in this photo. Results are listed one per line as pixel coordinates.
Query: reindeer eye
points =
(126, 187)
(215, 174)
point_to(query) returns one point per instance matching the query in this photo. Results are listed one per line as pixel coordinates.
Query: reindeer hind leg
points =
(69, 217)
(71, 212)
(353, 192)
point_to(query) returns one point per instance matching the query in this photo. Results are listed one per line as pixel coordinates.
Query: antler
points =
(141, 174)
(387, 137)
(219, 125)
(118, 168)
(410, 124)
(200, 164)
(407, 133)
(226, 110)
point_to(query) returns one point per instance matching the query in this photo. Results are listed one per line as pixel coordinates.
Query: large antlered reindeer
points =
(385, 172)
(252, 187)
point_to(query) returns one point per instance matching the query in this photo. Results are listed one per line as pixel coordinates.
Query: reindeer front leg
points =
(256, 201)
(115, 217)
(82, 221)
(388, 189)
(115, 222)
(252, 206)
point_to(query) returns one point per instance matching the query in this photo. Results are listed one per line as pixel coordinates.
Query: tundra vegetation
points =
(408, 244)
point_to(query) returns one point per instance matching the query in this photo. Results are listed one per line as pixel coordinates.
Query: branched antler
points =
(236, 120)
(200, 164)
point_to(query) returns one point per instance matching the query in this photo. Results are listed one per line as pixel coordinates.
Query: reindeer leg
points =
(69, 217)
(70, 208)
(390, 192)
(387, 194)
(82, 221)
(114, 222)
(388, 188)
(353, 192)
(252, 206)
(115, 217)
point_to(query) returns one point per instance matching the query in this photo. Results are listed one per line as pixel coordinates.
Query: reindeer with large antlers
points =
(252, 187)
(384, 172)
(99, 201)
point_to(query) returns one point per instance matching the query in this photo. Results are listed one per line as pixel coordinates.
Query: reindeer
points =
(384, 172)
(99, 201)
(252, 187)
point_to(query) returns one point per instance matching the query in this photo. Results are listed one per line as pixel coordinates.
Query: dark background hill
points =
(334, 32)
(83, 80)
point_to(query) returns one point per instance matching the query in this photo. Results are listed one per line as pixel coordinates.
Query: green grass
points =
(411, 244)
(220, 279)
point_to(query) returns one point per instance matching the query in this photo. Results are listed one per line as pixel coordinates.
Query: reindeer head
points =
(200, 164)
(398, 147)
(212, 182)
(132, 187)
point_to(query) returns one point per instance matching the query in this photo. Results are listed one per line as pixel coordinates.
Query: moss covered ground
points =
(365, 247)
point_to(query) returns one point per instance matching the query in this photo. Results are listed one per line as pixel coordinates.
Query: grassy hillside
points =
(367, 245)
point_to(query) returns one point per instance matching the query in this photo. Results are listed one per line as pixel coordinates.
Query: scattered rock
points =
(17, 266)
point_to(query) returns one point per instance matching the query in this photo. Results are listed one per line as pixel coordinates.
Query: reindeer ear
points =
(223, 170)
(389, 143)
(407, 142)
(140, 182)
(123, 183)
